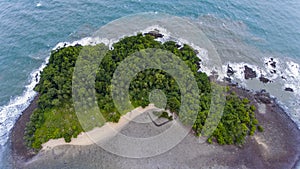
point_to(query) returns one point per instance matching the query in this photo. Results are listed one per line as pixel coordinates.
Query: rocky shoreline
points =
(250, 73)
(279, 143)
(20, 151)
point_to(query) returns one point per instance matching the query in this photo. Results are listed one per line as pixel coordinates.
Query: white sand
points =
(108, 130)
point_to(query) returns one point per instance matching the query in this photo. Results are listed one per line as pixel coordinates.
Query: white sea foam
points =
(239, 69)
(109, 42)
(167, 36)
(163, 31)
(9, 113)
(284, 72)
(84, 42)
(39, 4)
(288, 72)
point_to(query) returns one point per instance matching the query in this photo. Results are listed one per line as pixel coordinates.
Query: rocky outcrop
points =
(227, 79)
(178, 45)
(264, 80)
(273, 63)
(288, 89)
(155, 34)
(249, 73)
(263, 97)
(230, 71)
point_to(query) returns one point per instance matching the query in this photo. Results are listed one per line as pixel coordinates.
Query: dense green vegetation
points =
(55, 116)
(237, 122)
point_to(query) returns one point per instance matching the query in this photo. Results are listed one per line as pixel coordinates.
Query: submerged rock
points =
(249, 73)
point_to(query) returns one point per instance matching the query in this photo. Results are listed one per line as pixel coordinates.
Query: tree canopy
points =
(55, 116)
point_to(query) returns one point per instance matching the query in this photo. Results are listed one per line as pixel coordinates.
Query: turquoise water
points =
(30, 29)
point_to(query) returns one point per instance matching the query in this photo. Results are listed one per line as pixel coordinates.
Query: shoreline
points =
(19, 149)
(280, 129)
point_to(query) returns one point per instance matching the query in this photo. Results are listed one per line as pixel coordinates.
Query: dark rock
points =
(230, 71)
(273, 64)
(198, 65)
(273, 71)
(178, 46)
(77, 45)
(264, 80)
(284, 78)
(196, 52)
(235, 84)
(36, 77)
(155, 34)
(249, 73)
(263, 91)
(227, 79)
(263, 98)
(288, 89)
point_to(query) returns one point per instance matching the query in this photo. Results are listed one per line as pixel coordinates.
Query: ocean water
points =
(243, 32)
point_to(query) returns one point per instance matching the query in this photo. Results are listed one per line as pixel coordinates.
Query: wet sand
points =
(277, 147)
(19, 149)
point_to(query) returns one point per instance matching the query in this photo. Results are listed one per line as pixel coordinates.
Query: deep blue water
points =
(30, 29)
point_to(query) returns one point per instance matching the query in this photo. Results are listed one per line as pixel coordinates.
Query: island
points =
(247, 117)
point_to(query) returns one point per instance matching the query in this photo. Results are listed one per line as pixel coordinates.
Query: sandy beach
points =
(98, 134)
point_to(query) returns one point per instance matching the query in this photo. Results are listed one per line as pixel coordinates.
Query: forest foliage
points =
(55, 116)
